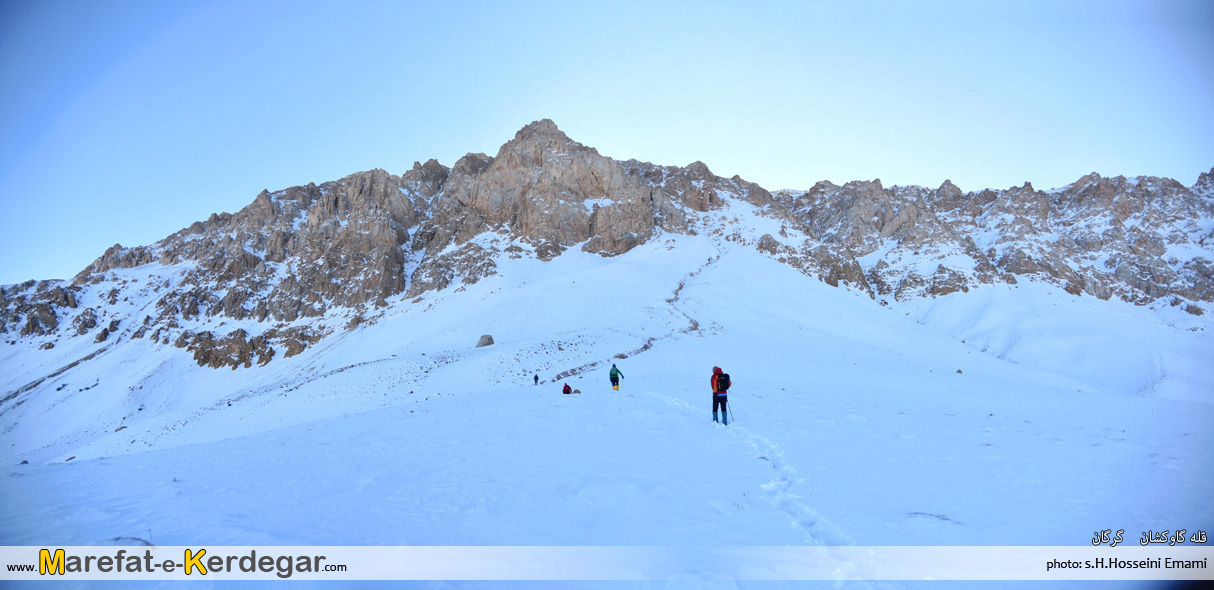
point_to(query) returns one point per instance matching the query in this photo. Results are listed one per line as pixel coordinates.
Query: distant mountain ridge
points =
(301, 263)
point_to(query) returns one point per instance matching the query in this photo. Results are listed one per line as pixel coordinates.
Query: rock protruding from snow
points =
(486, 340)
(1204, 186)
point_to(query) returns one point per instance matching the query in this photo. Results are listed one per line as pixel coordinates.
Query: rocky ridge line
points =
(297, 264)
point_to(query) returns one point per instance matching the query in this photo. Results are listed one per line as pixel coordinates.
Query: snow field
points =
(853, 424)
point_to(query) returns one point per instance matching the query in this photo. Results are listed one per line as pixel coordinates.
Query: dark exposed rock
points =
(37, 319)
(768, 244)
(234, 350)
(295, 340)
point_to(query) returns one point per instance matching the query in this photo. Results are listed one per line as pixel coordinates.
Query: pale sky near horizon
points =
(125, 121)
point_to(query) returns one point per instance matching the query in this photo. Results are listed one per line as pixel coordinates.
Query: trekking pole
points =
(729, 408)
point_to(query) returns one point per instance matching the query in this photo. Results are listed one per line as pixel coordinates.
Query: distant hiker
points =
(567, 389)
(615, 377)
(537, 379)
(720, 387)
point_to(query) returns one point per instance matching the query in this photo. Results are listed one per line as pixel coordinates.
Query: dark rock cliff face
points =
(353, 244)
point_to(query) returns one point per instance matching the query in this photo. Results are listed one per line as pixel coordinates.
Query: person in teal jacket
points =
(615, 377)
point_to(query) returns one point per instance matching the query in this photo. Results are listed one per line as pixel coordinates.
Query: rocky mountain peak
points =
(948, 197)
(873, 185)
(698, 170)
(540, 144)
(426, 179)
(471, 164)
(544, 128)
(431, 166)
(1205, 184)
(552, 192)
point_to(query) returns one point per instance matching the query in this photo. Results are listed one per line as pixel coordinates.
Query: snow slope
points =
(1002, 416)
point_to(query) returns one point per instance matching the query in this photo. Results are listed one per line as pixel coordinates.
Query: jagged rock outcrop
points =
(1138, 239)
(550, 192)
(234, 350)
(292, 262)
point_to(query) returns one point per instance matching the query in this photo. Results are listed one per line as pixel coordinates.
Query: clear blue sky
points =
(124, 121)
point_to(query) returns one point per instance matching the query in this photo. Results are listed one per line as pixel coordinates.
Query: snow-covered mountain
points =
(307, 262)
(911, 366)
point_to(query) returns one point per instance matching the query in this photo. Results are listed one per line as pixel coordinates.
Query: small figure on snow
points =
(720, 387)
(537, 379)
(615, 377)
(567, 389)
